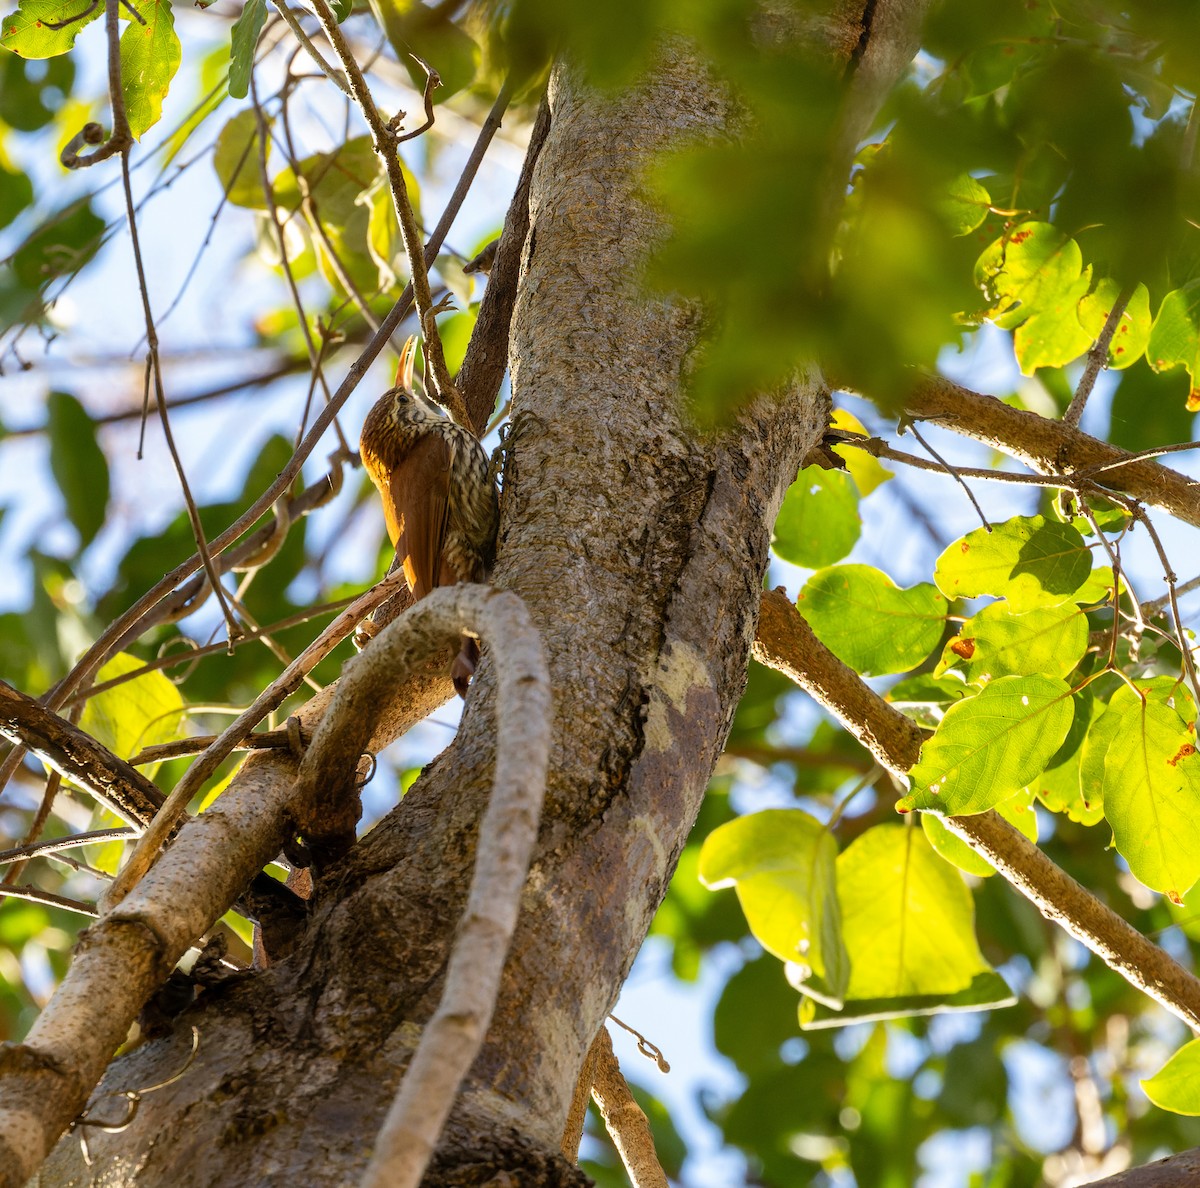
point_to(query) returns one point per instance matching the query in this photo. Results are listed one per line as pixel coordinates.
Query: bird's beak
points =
(408, 358)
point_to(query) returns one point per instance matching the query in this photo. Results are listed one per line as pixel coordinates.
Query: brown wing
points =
(417, 506)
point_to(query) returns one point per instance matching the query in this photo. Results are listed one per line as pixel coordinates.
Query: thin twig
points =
(56, 845)
(954, 474)
(335, 76)
(196, 653)
(1097, 357)
(155, 368)
(37, 895)
(268, 740)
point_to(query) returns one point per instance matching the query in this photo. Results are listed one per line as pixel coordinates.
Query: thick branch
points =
(786, 643)
(507, 835)
(1050, 447)
(78, 757)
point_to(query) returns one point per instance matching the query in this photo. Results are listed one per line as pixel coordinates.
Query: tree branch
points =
(1050, 447)
(486, 360)
(507, 835)
(786, 643)
(624, 1119)
(270, 698)
(78, 757)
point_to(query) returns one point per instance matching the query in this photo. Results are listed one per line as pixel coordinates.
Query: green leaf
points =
(868, 622)
(139, 713)
(1152, 794)
(1029, 560)
(1034, 279)
(1175, 337)
(990, 746)
(344, 186)
(150, 55)
(1132, 334)
(818, 523)
(965, 206)
(1051, 335)
(999, 642)
(1060, 786)
(782, 863)
(27, 31)
(907, 918)
(1176, 1086)
(1016, 810)
(16, 193)
(66, 241)
(237, 162)
(243, 44)
(78, 464)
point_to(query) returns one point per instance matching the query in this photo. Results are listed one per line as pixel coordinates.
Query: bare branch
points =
(78, 757)
(1050, 447)
(507, 835)
(1096, 358)
(624, 1119)
(786, 643)
(577, 1114)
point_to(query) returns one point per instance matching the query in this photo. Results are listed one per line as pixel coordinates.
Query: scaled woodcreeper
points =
(439, 499)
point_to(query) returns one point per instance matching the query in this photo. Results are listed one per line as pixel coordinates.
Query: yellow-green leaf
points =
(868, 622)
(150, 56)
(135, 714)
(990, 746)
(907, 917)
(782, 863)
(1176, 1086)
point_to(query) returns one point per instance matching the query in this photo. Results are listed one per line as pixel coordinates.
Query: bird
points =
(439, 498)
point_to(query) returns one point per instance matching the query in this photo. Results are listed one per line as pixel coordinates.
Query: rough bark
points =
(639, 546)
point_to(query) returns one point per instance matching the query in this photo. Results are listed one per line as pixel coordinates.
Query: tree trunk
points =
(639, 545)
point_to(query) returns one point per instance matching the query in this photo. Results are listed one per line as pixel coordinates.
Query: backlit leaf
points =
(990, 746)
(782, 863)
(1175, 337)
(818, 523)
(999, 642)
(1133, 330)
(1029, 560)
(27, 31)
(1176, 1086)
(134, 714)
(907, 917)
(150, 55)
(1152, 794)
(867, 621)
